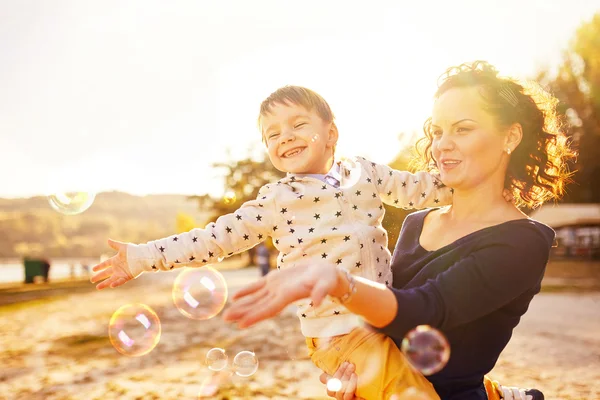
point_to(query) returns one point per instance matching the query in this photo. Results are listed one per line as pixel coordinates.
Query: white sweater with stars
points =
(309, 221)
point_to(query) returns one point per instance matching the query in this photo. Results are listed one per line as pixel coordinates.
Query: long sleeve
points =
(229, 234)
(482, 282)
(410, 191)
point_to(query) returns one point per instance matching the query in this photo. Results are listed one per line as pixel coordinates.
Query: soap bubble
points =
(134, 330)
(334, 384)
(200, 293)
(71, 203)
(245, 363)
(229, 197)
(216, 359)
(426, 349)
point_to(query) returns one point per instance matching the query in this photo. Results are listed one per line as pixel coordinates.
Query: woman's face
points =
(467, 145)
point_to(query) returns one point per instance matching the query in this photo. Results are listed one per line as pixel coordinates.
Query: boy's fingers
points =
(102, 265)
(103, 284)
(115, 245)
(118, 282)
(101, 275)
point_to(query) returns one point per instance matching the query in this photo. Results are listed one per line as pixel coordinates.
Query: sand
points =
(58, 348)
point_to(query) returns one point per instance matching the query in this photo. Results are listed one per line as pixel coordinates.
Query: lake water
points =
(13, 271)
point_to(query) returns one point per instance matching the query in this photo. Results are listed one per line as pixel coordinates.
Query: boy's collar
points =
(338, 169)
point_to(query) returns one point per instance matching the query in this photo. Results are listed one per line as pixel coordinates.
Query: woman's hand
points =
(269, 295)
(349, 380)
(514, 393)
(114, 271)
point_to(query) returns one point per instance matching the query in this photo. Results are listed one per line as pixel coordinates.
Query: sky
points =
(144, 96)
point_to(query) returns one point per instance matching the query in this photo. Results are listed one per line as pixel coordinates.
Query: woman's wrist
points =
(342, 285)
(345, 287)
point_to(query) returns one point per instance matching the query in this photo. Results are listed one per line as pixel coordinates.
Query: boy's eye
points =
(299, 125)
(273, 135)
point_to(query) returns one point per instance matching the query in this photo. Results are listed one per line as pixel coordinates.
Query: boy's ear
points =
(332, 136)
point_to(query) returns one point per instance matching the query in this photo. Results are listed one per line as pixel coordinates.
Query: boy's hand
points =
(114, 271)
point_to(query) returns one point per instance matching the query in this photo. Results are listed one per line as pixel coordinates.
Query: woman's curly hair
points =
(537, 171)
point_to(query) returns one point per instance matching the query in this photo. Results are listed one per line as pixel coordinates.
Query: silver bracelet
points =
(351, 287)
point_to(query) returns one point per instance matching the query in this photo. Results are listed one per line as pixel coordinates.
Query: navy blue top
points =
(473, 290)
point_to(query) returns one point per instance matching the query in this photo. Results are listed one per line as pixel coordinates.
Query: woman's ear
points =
(332, 136)
(514, 135)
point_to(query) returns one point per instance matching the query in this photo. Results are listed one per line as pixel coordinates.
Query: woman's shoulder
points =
(525, 227)
(419, 216)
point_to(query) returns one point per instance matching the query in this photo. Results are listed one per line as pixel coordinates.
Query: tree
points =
(242, 181)
(394, 217)
(577, 86)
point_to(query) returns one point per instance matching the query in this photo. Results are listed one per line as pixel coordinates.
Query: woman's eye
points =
(436, 133)
(462, 129)
(299, 125)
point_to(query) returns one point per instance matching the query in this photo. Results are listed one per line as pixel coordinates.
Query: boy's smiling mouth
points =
(293, 152)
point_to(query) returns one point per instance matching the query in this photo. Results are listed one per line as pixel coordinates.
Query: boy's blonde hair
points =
(296, 95)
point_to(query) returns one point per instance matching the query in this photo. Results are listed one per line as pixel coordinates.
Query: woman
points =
(470, 269)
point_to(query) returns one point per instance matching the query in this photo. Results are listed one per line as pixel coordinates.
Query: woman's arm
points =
(490, 277)
(470, 288)
(269, 295)
(373, 301)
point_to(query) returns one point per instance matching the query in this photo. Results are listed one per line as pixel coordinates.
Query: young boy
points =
(323, 210)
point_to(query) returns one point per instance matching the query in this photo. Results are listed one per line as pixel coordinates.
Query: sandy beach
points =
(58, 348)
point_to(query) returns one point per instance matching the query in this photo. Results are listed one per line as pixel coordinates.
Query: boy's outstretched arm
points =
(405, 190)
(114, 271)
(228, 235)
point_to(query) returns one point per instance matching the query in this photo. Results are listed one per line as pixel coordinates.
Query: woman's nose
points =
(445, 142)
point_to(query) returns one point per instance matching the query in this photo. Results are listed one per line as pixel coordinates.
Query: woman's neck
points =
(480, 204)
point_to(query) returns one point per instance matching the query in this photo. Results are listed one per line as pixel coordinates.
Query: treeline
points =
(31, 227)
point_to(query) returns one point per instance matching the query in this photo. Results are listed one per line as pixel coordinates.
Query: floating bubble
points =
(229, 197)
(134, 330)
(334, 384)
(200, 293)
(245, 363)
(216, 359)
(71, 203)
(426, 349)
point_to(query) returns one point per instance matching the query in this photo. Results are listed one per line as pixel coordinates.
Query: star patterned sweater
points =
(309, 221)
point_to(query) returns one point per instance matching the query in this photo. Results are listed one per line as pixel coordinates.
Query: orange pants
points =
(382, 368)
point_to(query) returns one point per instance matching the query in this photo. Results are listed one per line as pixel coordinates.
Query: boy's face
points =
(298, 140)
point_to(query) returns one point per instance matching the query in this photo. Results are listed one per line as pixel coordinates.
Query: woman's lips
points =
(450, 164)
